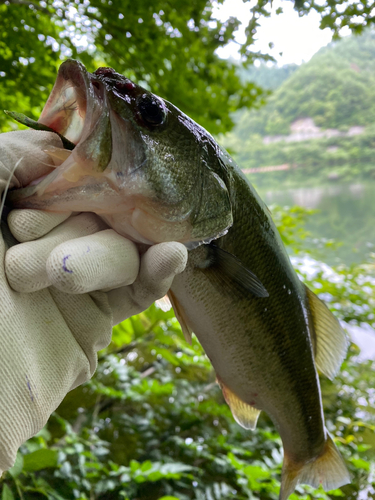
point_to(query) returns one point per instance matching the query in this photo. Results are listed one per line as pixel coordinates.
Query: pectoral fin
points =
(229, 268)
(244, 414)
(181, 317)
(329, 339)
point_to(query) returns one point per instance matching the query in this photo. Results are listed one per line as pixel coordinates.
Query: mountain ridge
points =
(318, 125)
(336, 88)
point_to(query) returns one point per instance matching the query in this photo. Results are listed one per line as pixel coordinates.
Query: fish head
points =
(147, 169)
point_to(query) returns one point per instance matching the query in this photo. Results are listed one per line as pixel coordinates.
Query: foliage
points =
(335, 88)
(267, 76)
(152, 423)
(166, 45)
(339, 14)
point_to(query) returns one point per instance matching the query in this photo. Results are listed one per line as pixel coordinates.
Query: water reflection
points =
(346, 214)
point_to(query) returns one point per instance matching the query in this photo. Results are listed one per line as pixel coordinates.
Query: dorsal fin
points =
(244, 414)
(330, 341)
(181, 317)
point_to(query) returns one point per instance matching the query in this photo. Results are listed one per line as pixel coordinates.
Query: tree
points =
(168, 45)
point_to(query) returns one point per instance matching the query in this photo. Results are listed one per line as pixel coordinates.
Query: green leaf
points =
(360, 464)
(146, 466)
(16, 470)
(7, 493)
(40, 459)
(175, 468)
(168, 498)
(134, 465)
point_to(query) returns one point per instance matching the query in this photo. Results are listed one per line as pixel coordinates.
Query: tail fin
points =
(328, 470)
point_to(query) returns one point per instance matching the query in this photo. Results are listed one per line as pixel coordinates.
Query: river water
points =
(345, 213)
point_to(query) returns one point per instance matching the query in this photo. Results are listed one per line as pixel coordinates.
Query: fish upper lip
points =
(75, 102)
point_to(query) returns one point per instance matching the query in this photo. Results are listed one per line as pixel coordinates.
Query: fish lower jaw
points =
(121, 223)
(141, 227)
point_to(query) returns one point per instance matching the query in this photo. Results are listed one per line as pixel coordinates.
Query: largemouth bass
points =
(155, 175)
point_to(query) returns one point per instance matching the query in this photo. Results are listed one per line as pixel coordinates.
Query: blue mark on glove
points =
(64, 264)
(29, 387)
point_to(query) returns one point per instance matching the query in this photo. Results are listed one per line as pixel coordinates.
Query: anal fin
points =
(244, 414)
(181, 317)
(164, 303)
(329, 339)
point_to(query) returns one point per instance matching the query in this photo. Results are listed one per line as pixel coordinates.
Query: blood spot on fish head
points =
(104, 71)
(125, 87)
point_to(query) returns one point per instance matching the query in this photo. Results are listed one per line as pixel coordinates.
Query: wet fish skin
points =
(262, 348)
(267, 338)
(263, 330)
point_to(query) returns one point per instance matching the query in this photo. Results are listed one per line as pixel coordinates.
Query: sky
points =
(297, 38)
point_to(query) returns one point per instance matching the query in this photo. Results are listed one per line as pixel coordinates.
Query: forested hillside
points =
(330, 99)
(336, 88)
(267, 77)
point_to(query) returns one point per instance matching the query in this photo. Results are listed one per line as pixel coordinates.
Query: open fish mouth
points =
(76, 109)
(74, 103)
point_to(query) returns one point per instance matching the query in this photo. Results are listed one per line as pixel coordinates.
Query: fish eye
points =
(152, 110)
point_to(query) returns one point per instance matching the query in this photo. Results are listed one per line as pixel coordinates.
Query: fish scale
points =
(272, 354)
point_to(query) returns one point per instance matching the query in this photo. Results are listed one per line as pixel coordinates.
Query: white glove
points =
(50, 334)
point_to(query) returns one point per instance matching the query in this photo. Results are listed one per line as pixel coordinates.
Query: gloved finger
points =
(28, 224)
(89, 319)
(7, 236)
(159, 266)
(27, 148)
(100, 261)
(25, 264)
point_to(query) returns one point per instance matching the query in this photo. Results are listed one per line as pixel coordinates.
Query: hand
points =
(61, 291)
